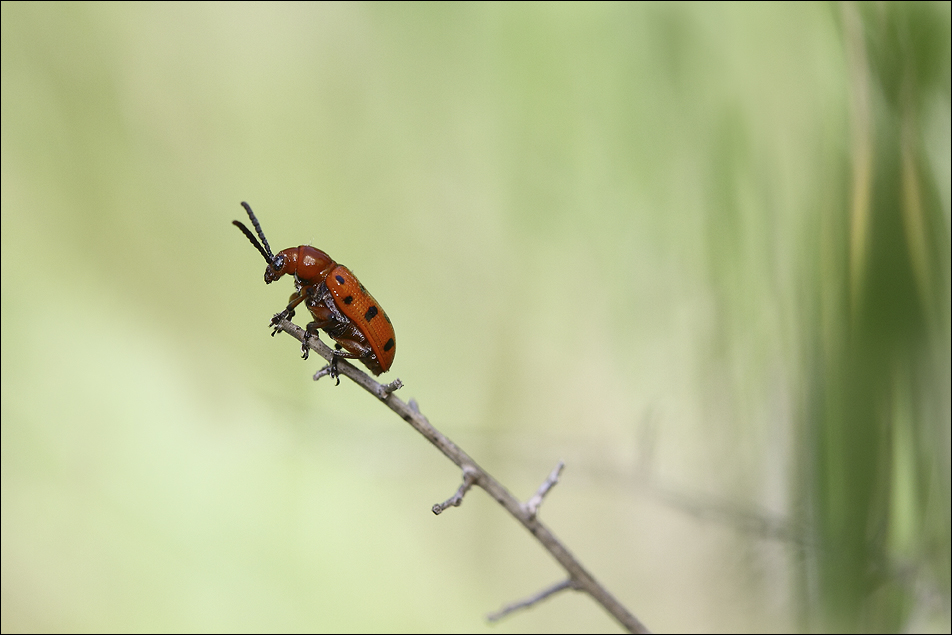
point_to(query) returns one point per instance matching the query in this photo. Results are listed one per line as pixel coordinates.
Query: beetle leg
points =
(356, 347)
(346, 348)
(339, 353)
(288, 312)
(310, 331)
(329, 370)
(352, 349)
(322, 320)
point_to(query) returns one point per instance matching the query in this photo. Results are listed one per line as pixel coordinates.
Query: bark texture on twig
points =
(473, 474)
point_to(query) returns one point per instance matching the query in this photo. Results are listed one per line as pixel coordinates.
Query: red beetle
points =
(339, 304)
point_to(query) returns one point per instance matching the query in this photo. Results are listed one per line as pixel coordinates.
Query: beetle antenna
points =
(254, 241)
(254, 220)
(264, 251)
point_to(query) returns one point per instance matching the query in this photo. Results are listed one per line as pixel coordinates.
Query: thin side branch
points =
(580, 577)
(532, 600)
(532, 505)
(469, 478)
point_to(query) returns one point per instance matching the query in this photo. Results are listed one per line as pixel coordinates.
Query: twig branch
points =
(532, 505)
(469, 478)
(530, 601)
(578, 575)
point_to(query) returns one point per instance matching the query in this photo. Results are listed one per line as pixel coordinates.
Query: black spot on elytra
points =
(371, 313)
(340, 279)
(388, 345)
(348, 299)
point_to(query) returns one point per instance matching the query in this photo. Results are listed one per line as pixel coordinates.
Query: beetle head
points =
(277, 265)
(284, 262)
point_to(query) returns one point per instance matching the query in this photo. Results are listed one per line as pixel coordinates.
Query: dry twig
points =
(531, 601)
(473, 474)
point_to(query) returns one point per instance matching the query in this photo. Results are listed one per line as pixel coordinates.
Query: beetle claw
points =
(309, 332)
(329, 370)
(286, 314)
(276, 320)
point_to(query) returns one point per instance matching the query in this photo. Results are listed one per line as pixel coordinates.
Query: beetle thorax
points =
(313, 265)
(307, 264)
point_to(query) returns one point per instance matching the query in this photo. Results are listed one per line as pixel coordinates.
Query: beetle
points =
(339, 304)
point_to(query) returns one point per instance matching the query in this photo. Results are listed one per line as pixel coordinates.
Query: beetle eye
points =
(278, 264)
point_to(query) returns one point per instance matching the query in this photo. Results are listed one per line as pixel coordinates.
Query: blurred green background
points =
(699, 252)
